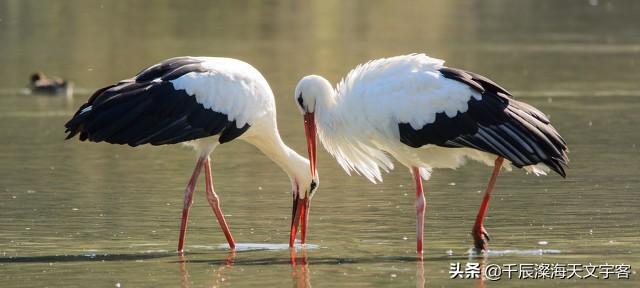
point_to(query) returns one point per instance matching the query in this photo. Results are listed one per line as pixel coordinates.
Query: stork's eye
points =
(300, 102)
(313, 187)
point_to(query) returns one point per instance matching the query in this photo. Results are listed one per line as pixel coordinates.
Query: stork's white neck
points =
(296, 166)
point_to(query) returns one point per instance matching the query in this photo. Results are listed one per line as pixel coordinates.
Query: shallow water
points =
(83, 214)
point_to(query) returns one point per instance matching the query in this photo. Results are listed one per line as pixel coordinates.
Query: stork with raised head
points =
(426, 115)
(201, 102)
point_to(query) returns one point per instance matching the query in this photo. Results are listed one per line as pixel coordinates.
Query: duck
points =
(43, 85)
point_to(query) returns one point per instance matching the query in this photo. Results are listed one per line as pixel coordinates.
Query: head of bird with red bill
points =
(310, 93)
(302, 197)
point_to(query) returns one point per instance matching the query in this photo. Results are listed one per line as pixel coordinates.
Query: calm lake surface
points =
(96, 215)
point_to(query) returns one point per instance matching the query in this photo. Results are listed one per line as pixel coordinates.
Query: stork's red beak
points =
(299, 217)
(300, 211)
(310, 131)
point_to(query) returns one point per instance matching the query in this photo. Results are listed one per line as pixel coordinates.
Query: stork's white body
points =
(360, 123)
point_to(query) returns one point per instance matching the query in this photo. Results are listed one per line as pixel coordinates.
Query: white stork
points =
(396, 105)
(201, 102)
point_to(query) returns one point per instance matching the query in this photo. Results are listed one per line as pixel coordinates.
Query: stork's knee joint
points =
(420, 204)
(213, 199)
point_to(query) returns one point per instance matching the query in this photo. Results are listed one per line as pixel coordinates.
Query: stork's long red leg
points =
(420, 207)
(188, 200)
(480, 235)
(213, 200)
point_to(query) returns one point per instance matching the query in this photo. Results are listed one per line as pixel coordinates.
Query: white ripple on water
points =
(261, 246)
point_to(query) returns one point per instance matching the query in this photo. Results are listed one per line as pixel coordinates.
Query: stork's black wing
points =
(148, 109)
(496, 124)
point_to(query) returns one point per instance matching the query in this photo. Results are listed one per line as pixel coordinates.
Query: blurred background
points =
(78, 214)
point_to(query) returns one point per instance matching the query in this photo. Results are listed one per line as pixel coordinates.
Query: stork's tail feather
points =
(75, 124)
(549, 147)
(494, 123)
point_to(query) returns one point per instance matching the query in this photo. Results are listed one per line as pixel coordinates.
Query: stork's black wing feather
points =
(496, 124)
(148, 109)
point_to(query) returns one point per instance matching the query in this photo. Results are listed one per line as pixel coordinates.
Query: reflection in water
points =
(482, 278)
(219, 275)
(300, 275)
(184, 274)
(420, 280)
(225, 268)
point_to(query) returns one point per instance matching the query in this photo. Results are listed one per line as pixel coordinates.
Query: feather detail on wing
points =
(492, 123)
(355, 153)
(177, 100)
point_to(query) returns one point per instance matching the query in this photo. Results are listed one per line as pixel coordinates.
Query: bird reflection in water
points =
(300, 275)
(480, 281)
(420, 280)
(218, 276)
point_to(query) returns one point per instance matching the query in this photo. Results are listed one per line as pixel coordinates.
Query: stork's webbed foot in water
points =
(480, 238)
